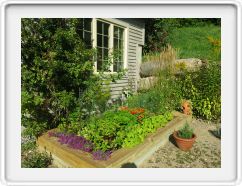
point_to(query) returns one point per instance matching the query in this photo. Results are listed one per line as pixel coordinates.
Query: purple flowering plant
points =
(80, 143)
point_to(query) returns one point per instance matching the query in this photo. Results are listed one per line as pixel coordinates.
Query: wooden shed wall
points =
(135, 37)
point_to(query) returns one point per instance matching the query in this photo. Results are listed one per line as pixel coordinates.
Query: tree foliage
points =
(57, 73)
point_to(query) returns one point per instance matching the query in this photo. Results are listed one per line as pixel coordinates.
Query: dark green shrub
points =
(57, 75)
(55, 69)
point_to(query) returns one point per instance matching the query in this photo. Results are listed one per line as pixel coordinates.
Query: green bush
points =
(57, 75)
(32, 158)
(203, 88)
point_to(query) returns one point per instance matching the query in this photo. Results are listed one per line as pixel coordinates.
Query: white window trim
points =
(112, 23)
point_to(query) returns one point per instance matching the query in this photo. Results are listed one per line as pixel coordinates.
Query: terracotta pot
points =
(186, 107)
(184, 144)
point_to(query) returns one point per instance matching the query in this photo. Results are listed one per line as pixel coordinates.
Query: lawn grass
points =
(192, 42)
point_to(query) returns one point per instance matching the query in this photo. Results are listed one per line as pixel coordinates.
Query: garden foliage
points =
(57, 75)
(121, 128)
(203, 88)
(32, 158)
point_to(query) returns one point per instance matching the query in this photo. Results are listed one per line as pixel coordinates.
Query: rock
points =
(146, 83)
(190, 64)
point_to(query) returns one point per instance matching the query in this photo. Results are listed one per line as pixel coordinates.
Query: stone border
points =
(65, 157)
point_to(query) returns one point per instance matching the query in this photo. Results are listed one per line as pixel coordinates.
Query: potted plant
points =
(184, 137)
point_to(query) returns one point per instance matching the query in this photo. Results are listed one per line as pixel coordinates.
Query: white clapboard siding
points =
(135, 37)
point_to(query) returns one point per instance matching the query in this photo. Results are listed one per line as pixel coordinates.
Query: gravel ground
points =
(205, 153)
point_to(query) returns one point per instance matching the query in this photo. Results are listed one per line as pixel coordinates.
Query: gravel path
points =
(205, 153)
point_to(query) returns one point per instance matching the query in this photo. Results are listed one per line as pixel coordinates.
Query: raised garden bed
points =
(67, 157)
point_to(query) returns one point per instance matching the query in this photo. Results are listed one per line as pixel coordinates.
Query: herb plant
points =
(185, 132)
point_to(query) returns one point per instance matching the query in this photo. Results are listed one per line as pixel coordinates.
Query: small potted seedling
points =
(184, 137)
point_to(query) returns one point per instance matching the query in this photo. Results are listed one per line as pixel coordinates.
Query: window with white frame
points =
(103, 47)
(118, 49)
(85, 31)
(108, 39)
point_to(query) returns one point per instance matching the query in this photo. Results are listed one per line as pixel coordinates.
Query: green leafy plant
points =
(32, 158)
(102, 131)
(116, 129)
(203, 88)
(136, 134)
(186, 132)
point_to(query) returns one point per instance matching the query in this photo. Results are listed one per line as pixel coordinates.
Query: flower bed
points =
(65, 156)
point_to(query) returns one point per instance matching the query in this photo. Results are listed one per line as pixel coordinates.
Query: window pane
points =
(121, 33)
(115, 32)
(99, 27)
(87, 24)
(115, 67)
(121, 55)
(88, 38)
(99, 40)
(80, 24)
(99, 54)
(106, 27)
(99, 65)
(105, 57)
(120, 66)
(115, 43)
(105, 44)
(120, 44)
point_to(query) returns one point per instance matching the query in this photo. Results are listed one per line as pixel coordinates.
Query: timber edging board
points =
(66, 157)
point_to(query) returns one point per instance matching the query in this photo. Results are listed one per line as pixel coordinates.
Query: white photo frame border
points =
(4, 51)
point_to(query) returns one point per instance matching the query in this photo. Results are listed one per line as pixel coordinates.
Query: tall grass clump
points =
(153, 63)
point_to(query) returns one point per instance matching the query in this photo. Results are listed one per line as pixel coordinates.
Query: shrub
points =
(56, 67)
(203, 88)
(32, 158)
